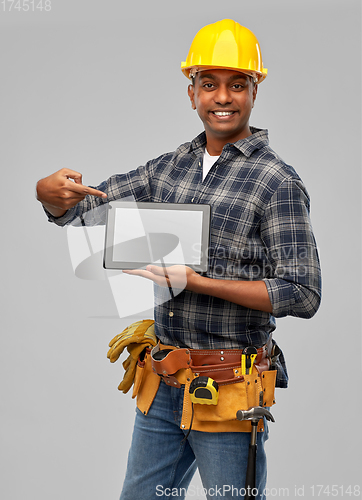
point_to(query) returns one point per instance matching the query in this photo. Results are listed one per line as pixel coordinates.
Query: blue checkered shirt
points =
(260, 230)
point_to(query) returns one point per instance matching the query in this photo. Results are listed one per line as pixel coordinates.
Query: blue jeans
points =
(161, 462)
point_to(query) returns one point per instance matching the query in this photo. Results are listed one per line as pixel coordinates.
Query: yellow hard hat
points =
(226, 45)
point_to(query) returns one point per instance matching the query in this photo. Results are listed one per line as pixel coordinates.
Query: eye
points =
(208, 85)
(238, 86)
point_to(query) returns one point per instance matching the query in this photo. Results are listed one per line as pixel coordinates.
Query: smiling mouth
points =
(223, 113)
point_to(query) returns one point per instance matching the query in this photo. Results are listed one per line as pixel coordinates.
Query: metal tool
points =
(276, 352)
(254, 415)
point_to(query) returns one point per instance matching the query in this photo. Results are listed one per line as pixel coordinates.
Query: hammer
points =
(254, 414)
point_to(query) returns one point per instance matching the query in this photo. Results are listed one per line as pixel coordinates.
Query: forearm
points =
(250, 294)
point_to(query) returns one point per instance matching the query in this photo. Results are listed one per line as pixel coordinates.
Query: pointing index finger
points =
(94, 192)
(84, 190)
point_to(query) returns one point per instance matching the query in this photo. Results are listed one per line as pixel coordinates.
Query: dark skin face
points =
(224, 100)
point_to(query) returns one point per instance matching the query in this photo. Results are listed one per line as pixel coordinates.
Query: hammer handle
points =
(250, 473)
(251, 467)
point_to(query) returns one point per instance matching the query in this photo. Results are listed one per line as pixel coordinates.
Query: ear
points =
(191, 93)
(255, 91)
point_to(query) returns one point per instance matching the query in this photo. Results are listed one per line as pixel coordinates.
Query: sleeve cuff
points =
(63, 220)
(281, 295)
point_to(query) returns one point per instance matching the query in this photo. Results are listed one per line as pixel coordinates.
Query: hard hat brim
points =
(258, 76)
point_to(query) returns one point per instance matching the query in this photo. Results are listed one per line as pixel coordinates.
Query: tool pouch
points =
(146, 383)
(239, 395)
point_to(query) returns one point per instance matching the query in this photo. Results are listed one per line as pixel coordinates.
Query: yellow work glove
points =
(135, 337)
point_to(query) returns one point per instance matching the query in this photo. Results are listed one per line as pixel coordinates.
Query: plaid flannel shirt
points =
(260, 230)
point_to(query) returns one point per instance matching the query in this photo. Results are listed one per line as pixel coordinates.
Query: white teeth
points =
(223, 113)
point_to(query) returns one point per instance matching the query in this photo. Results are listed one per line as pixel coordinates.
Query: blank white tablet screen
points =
(179, 234)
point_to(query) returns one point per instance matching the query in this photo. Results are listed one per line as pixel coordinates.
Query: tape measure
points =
(204, 391)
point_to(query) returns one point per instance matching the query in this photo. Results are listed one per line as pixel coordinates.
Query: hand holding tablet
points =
(174, 277)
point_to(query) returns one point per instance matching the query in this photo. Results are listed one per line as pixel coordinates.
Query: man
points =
(263, 262)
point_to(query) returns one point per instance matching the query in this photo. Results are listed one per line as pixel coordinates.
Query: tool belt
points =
(222, 365)
(237, 390)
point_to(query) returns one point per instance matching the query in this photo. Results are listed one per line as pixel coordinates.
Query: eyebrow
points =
(210, 76)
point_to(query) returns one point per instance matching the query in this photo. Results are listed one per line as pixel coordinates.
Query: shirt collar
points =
(247, 146)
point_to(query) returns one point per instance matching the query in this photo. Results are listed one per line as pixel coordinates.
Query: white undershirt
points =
(207, 163)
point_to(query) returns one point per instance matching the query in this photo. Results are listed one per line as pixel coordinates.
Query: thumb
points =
(72, 174)
(78, 180)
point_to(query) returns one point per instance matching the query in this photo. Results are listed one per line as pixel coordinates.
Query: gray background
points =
(96, 87)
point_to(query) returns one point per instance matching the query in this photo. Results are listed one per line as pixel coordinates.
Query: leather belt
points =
(222, 365)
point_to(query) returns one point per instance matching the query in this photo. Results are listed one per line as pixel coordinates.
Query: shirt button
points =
(170, 314)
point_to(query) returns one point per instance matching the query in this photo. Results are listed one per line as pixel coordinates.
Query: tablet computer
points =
(164, 234)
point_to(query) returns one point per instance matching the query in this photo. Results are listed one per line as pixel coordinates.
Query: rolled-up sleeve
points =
(294, 275)
(134, 184)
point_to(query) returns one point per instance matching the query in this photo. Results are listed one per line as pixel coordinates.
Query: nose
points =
(223, 95)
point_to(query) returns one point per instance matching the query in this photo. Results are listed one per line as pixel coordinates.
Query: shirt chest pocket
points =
(238, 221)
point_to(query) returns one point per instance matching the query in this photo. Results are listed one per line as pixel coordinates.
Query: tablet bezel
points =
(109, 263)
